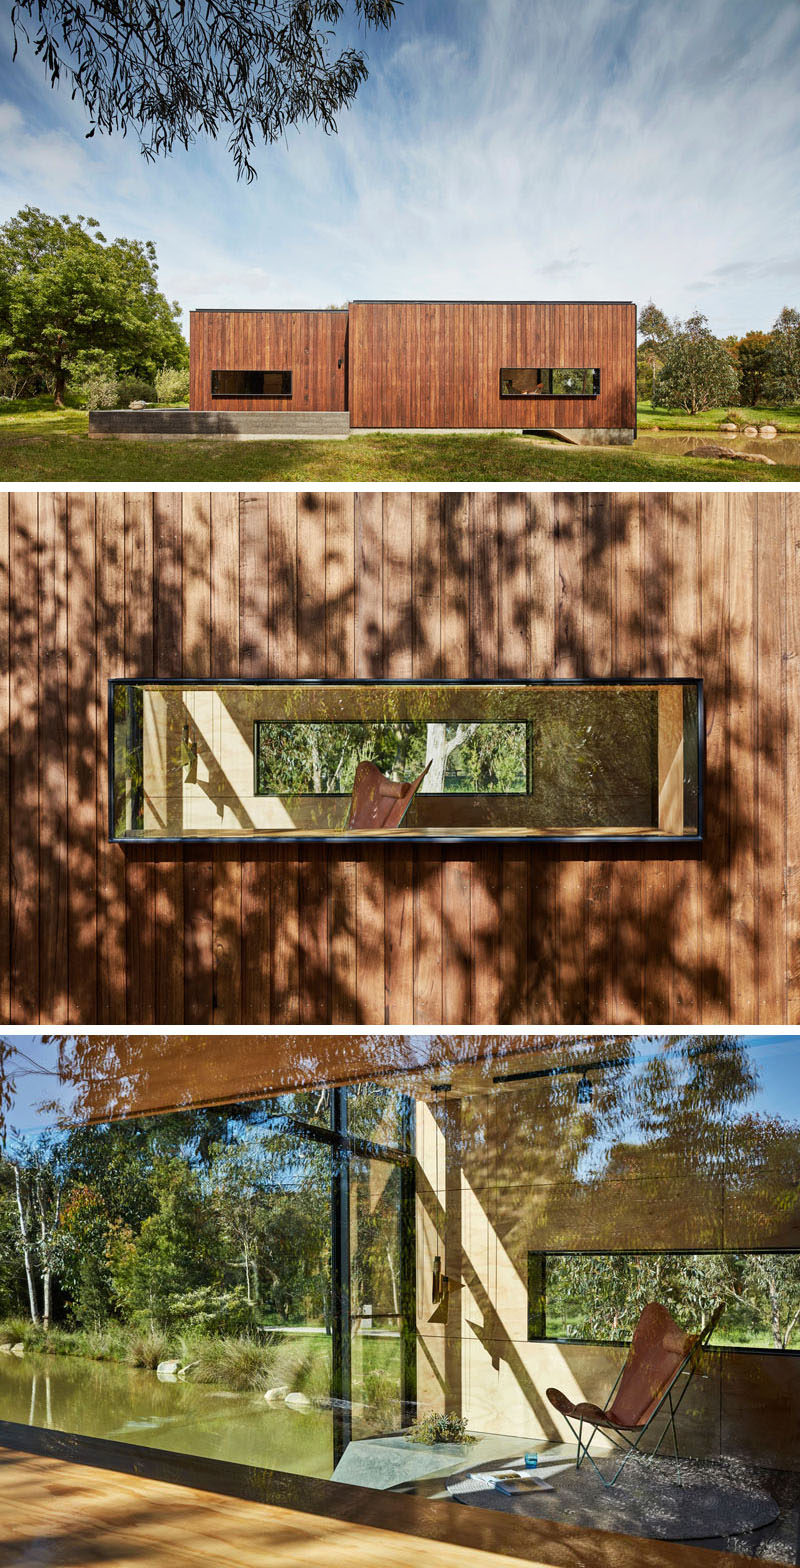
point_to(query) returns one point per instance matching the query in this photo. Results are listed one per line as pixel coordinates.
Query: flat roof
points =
(317, 310)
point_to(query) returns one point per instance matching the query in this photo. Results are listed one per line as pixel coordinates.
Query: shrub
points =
(93, 378)
(132, 390)
(241, 1365)
(148, 1348)
(439, 1429)
(172, 386)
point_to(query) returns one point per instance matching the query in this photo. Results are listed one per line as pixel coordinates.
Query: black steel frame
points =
(543, 840)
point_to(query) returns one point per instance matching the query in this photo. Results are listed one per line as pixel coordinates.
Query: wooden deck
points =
(93, 586)
(54, 1514)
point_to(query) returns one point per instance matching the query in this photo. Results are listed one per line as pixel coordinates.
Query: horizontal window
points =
(321, 759)
(559, 381)
(596, 1298)
(251, 383)
(435, 760)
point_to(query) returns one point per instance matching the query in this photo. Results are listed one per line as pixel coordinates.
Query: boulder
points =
(750, 430)
(5, 1350)
(276, 1396)
(18, 1350)
(299, 1402)
(768, 432)
(730, 429)
(167, 1371)
(726, 451)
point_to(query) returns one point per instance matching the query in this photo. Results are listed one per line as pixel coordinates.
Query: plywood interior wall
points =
(93, 586)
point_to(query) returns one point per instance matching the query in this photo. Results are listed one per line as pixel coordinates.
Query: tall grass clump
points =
(242, 1365)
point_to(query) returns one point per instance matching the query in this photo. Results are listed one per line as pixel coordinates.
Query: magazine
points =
(514, 1483)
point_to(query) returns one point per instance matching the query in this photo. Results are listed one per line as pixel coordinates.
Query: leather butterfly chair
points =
(378, 802)
(659, 1355)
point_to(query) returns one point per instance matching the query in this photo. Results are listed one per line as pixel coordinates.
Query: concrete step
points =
(188, 423)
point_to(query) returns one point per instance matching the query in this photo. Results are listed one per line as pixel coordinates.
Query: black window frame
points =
(550, 395)
(446, 836)
(285, 375)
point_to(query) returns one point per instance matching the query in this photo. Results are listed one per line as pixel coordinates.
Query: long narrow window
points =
(251, 383)
(559, 381)
(596, 1297)
(431, 760)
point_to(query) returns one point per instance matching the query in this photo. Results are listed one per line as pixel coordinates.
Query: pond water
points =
(129, 1405)
(671, 443)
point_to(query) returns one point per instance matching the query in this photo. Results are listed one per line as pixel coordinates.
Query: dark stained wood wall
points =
(420, 364)
(310, 343)
(398, 585)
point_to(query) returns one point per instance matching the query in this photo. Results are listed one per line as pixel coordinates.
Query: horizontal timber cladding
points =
(437, 365)
(398, 585)
(312, 344)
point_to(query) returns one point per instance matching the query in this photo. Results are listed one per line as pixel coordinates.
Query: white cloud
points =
(596, 148)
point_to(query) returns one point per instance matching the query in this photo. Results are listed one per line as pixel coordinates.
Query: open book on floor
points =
(515, 1483)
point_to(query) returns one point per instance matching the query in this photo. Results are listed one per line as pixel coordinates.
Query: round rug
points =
(646, 1500)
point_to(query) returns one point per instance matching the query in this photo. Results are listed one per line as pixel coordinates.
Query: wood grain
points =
(389, 586)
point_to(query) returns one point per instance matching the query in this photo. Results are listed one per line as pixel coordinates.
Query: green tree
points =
(174, 70)
(784, 377)
(697, 372)
(755, 356)
(65, 290)
(655, 332)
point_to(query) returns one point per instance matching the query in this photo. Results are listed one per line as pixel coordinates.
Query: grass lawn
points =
(41, 444)
(787, 420)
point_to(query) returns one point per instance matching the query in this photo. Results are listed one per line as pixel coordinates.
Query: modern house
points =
(429, 1224)
(614, 837)
(422, 365)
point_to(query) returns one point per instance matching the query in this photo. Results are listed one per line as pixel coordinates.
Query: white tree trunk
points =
(27, 1251)
(438, 750)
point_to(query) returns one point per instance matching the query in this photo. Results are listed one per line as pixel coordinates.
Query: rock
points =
(276, 1396)
(189, 1367)
(5, 1350)
(750, 430)
(730, 429)
(299, 1402)
(768, 432)
(18, 1350)
(166, 1371)
(138, 404)
(725, 451)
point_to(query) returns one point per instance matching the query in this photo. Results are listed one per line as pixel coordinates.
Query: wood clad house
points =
(681, 925)
(426, 365)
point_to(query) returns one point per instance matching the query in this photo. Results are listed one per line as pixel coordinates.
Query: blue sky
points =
(500, 149)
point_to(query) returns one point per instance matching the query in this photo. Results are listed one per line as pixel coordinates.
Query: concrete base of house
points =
(622, 436)
(186, 424)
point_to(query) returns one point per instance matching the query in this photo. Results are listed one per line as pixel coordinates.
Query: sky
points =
(500, 149)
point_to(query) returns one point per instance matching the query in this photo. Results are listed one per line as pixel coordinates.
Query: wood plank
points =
(715, 601)
(5, 717)
(53, 761)
(110, 633)
(24, 761)
(84, 718)
(792, 712)
(771, 761)
(197, 866)
(684, 867)
(254, 654)
(226, 901)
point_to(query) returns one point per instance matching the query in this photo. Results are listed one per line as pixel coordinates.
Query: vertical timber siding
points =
(436, 365)
(397, 585)
(310, 343)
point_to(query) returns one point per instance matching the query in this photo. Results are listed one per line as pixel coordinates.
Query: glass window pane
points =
(251, 383)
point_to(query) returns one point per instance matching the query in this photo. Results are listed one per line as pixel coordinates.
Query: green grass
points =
(41, 444)
(786, 420)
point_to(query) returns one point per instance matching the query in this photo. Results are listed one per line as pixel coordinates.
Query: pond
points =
(128, 1405)
(674, 443)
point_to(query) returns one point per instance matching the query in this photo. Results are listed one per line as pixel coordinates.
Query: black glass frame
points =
(252, 389)
(548, 372)
(411, 835)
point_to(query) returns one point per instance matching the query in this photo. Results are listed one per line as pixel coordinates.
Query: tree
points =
(38, 1185)
(784, 378)
(697, 372)
(656, 332)
(755, 356)
(173, 70)
(65, 289)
